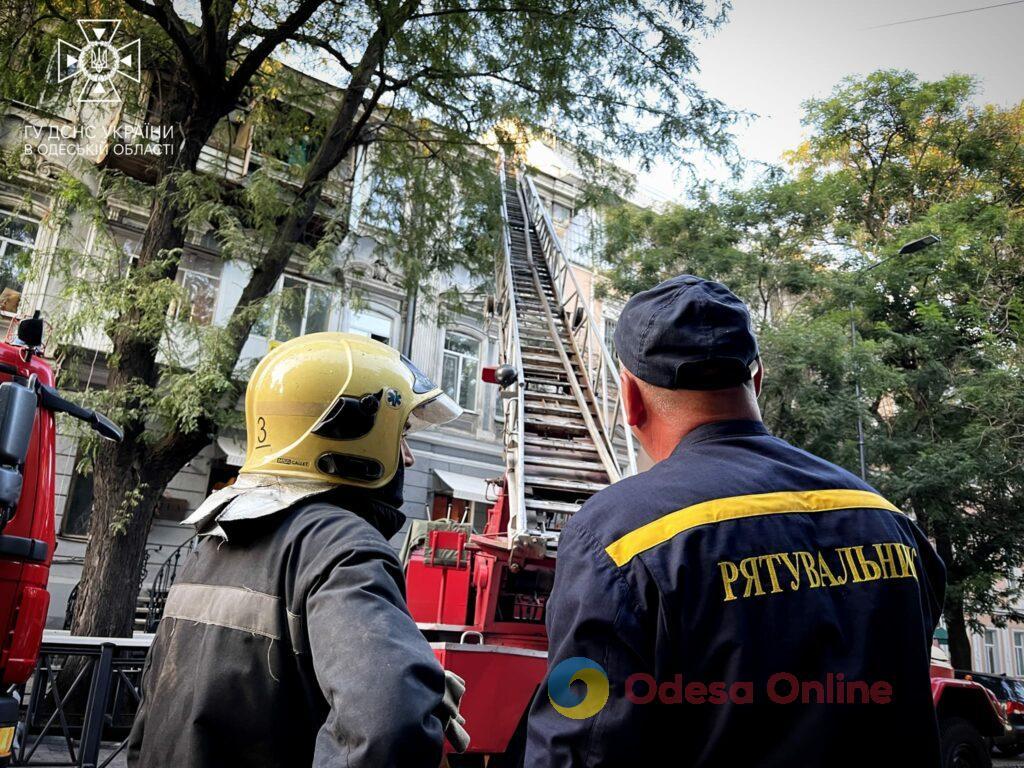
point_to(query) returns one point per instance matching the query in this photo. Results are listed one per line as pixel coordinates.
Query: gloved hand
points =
(448, 712)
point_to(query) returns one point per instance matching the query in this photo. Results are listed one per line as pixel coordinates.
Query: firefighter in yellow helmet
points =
(286, 641)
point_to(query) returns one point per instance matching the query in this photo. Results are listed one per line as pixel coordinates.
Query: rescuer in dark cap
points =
(749, 604)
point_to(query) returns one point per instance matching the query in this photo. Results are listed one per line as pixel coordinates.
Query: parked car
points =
(1010, 693)
(970, 717)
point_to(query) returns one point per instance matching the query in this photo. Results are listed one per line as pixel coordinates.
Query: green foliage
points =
(417, 95)
(760, 241)
(939, 352)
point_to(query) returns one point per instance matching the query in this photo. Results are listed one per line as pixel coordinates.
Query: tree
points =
(939, 353)
(421, 84)
(946, 321)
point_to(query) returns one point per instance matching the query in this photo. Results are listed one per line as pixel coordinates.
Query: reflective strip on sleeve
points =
(735, 507)
(232, 607)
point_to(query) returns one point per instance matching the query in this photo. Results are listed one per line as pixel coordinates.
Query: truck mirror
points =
(17, 414)
(10, 491)
(30, 331)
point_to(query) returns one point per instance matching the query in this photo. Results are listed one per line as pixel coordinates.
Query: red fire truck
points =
(480, 598)
(28, 402)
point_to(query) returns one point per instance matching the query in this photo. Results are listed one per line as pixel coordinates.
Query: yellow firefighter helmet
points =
(334, 407)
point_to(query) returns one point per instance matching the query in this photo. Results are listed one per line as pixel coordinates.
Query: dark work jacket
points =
(290, 644)
(742, 565)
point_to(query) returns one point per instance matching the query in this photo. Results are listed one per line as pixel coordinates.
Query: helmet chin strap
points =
(378, 506)
(393, 493)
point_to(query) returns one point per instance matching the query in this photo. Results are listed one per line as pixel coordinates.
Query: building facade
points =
(997, 646)
(458, 467)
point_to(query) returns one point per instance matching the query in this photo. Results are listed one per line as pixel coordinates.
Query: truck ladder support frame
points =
(558, 264)
(574, 385)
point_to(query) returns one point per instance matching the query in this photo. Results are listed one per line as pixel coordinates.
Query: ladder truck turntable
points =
(480, 598)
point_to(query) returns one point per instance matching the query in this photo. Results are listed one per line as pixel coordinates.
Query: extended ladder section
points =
(565, 436)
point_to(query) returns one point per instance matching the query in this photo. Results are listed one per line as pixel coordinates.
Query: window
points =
(460, 368)
(991, 659)
(609, 337)
(78, 511)
(560, 217)
(79, 504)
(1018, 653)
(199, 277)
(289, 134)
(499, 407)
(372, 324)
(305, 307)
(129, 245)
(385, 208)
(17, 240)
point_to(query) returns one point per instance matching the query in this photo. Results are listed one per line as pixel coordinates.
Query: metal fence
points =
(85, 690)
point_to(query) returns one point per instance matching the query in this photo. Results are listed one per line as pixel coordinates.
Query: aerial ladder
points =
(481, 598)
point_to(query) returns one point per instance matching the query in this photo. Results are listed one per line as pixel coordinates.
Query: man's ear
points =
(632, 400)
(758, 375)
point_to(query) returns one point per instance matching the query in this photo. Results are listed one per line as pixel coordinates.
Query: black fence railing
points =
(84, 693)
(151, 600)
(163, 581)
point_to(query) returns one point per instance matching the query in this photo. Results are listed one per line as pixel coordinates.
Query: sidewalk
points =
(54, 751)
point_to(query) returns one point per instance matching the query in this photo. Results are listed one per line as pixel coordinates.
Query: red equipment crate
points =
(503, 681)
(438, 580)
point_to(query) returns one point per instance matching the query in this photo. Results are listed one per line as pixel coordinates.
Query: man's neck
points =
(669, 434)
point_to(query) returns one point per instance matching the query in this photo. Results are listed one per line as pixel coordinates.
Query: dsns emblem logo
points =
(569, 701)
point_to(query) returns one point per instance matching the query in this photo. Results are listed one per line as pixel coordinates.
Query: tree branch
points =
(168, 19)
(317, 42)
(268, 42)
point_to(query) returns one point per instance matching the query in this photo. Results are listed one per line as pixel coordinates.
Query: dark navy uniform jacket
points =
(748, 588)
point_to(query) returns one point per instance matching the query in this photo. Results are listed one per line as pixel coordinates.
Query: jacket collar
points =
(256, 495)
(384, 517)
(720, 429)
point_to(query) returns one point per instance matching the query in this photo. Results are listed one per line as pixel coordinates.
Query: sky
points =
(773, 54)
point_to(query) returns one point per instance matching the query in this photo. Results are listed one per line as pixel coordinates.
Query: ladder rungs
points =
(537, 382)
(539, 426)
(532, 394)
(554, 410)
(552, 506)
(563, 463)
(562, 483)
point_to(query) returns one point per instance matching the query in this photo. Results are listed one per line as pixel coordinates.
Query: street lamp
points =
(908, 248)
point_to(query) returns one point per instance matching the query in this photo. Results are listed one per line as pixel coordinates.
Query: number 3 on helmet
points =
(334, 407)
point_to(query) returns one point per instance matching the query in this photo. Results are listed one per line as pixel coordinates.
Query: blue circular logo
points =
(572, 702)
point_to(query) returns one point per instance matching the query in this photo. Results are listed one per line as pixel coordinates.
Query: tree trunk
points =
(127, 484)
(129, 478)
(953, 608)
(959, 639)
(113, 560)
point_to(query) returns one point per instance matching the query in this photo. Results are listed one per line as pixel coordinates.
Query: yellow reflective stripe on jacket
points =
(735, 507)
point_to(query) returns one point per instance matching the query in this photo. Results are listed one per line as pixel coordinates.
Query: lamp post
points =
(908, 248)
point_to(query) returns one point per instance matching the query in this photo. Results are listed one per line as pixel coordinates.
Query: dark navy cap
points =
(687, 333)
